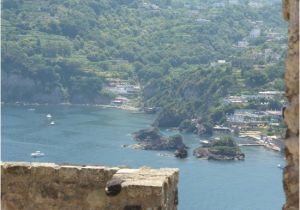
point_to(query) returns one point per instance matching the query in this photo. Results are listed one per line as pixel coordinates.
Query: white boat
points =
(37, 154)
(48, 115)
(280, 166)
(52, 123)
(204, 141)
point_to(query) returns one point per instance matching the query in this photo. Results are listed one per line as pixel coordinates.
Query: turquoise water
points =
(94, 135)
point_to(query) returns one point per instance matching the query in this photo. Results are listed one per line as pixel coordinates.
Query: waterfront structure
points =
(217, 130)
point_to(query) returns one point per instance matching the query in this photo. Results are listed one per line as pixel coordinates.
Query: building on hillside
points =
(150, 6)
(221, 61)
(235, 100)
(270, 94)
(275, 36)
(255, 4)
(242, 44)
(247, 119)
(250, 97)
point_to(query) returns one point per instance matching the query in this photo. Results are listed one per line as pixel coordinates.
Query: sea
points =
(98, 135)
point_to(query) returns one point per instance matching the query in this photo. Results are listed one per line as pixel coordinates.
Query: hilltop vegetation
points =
(67, 49)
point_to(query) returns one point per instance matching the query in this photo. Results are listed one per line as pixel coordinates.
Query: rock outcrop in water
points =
(151, 139)
(223, 149)
(181, 153)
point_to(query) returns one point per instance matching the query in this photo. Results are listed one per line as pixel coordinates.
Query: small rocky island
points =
(222, 149)
(152, 139)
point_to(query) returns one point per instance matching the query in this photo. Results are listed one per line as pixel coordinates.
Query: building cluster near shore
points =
(261, 127)
(124, 90)
(254, 127)
(123, 87)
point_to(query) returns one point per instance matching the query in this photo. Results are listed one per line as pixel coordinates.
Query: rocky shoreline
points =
(222, 149)
(152, 139)
(207, 154)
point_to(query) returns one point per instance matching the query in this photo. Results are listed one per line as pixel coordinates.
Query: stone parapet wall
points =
(291, 113)
(40, 186)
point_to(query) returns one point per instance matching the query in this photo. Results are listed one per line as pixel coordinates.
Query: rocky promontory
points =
(223, 149)
(152, 139)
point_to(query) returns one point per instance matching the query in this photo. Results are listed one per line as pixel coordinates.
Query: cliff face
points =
(291, 113)
(43, 186)
(19, 88)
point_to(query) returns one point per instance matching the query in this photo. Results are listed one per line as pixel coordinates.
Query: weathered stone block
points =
(291, 113)
(43, 186)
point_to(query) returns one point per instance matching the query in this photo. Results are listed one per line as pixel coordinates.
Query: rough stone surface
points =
(40, 186)
(291, 113)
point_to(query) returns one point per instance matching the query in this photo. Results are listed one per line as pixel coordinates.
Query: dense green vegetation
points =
(170, 47)
(226, 146)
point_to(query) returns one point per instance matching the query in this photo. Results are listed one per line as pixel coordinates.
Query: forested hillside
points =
(186, 55)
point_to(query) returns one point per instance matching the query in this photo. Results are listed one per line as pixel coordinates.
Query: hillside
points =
(186, 55)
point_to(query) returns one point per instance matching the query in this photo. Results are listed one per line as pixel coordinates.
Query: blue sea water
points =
(95, 135)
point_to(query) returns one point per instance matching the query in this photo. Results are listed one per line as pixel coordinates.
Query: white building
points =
(255, 4)
(243, 44)
(221, 61)
(270, 94)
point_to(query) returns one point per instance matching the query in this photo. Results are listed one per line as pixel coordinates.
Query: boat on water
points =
(37, 154)
(48, 115)
(280, 166)
(52, 123)
(205, 143)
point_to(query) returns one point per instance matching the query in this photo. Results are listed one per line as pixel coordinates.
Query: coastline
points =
(122, 107)
(256, 139)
